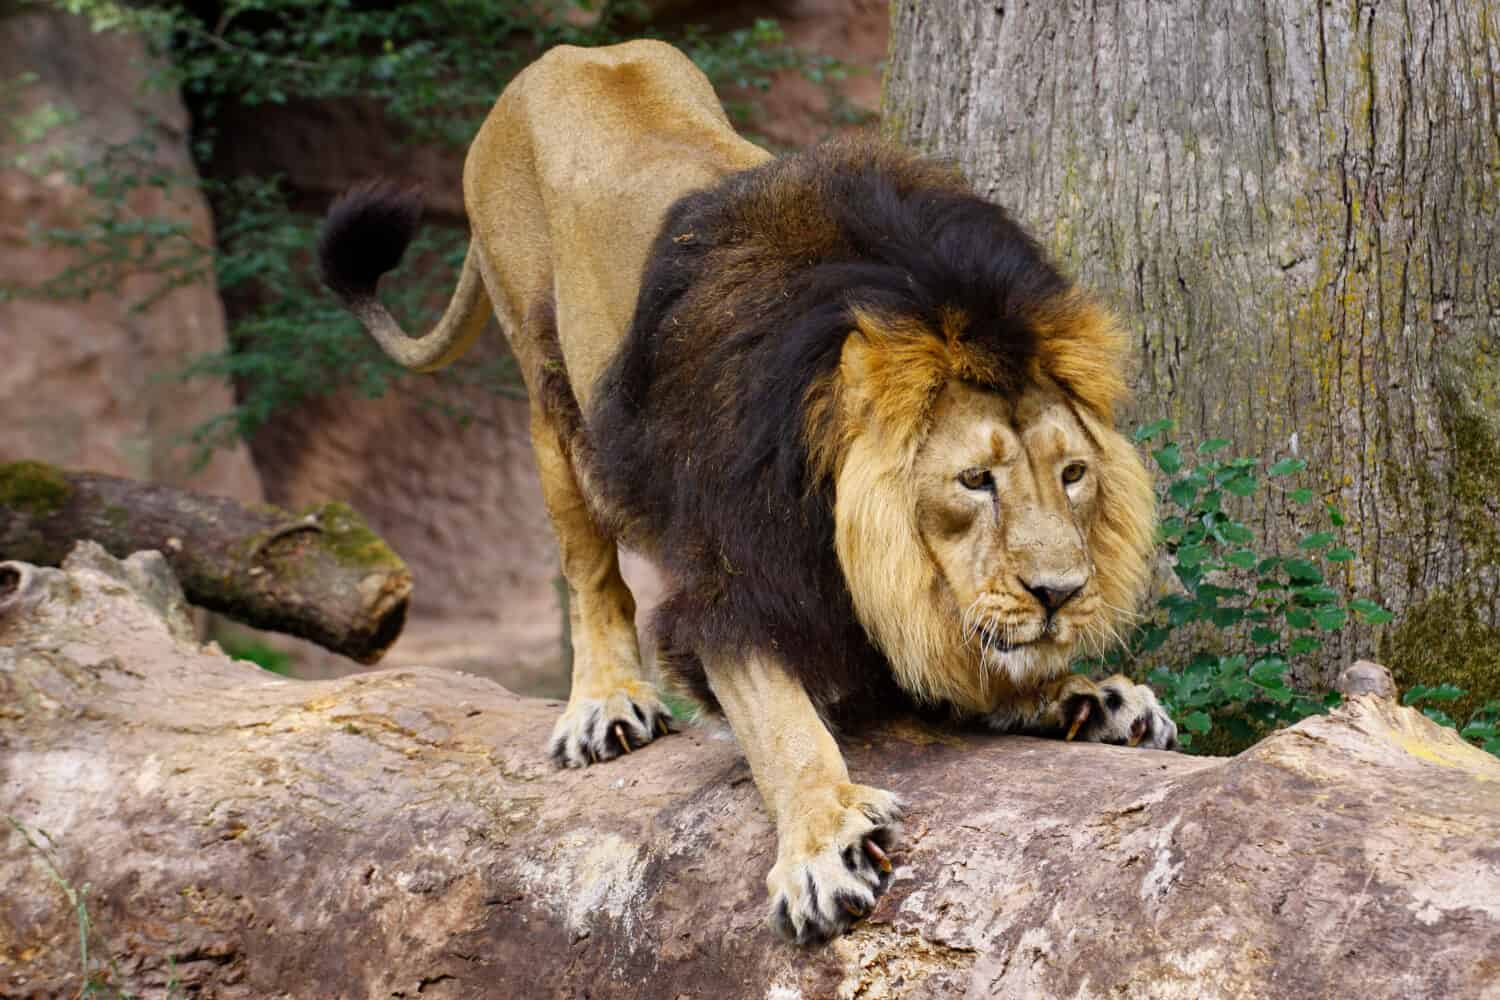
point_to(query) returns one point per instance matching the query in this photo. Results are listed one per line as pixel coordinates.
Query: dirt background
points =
(80, 384)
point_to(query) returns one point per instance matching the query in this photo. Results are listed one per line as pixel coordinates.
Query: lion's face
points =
(983, 553)
(1006, 493)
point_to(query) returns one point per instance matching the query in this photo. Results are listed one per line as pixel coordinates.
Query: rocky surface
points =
(401, 833)
(88, 383)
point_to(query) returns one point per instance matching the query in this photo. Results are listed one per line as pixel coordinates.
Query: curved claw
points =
(881, 858)
(1137, 732)
(620, 735)
(1084, 708)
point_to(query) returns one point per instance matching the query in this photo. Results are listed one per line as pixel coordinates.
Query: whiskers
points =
(977, 627)
(1101, 633)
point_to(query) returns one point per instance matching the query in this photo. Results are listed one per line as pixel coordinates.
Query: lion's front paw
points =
(598, 729)
(1117, 711)
(832, 862)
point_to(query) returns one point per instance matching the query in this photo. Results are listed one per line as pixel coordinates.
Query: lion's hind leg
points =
(1116, 710)
(612, 709)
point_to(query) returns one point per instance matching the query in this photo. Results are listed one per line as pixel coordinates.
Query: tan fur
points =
(565, 186)
(879, 421)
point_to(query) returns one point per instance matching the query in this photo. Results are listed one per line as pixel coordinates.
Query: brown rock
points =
(796, 111)
(87, 384)
(1366, 677)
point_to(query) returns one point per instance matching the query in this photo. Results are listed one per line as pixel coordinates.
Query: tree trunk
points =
(322, 575)
(401, 832)
(1296, 206)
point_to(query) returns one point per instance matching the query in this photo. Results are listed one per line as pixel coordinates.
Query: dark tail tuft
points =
(364, 235)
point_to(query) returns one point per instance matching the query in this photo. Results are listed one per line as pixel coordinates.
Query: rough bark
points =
(401, 833)
(1296, 206)
(322, 575)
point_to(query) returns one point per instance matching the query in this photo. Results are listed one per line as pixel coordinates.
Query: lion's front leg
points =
(832, 836)
(1116, 710)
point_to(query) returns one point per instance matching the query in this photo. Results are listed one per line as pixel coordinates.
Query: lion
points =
(848, 406)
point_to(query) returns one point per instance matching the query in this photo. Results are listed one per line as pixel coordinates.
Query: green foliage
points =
(1483, 727)
(118, 234)
(1245, 616)
(1251, 614)
(434, 69)
(258, 653)
(293, 341)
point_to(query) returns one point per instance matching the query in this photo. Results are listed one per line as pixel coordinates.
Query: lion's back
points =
(577, 165)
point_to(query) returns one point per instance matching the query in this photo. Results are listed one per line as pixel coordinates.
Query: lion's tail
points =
(365, 234)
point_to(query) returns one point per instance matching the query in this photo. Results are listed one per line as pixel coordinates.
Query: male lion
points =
(848, 406)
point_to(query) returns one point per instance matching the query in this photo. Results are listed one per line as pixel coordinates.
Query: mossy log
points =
(321, 574)
(401, 833)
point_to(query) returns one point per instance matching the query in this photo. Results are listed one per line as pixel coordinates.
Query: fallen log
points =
(322, 574)
(401, 833)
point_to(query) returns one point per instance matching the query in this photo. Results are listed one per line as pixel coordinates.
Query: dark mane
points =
(698, 425)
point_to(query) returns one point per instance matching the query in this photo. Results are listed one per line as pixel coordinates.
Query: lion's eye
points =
(1072, 473)
(976, 479)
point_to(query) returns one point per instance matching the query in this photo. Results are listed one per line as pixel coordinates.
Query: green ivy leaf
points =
(1197, 722)
(1241, 485)
(1236, 534)
(1183, 492)
(1243, 559)
(1301, 495)
(1318, 540)
(1182, 614)
(1302, 571)
(1303, 644)
(1339, 554)
(1148, 431)
(1329, 619)
(1191, 555)
(1169, 458)
(1297, 618)
(1370, 611)
(1268, 673)
(1212, 445)
(1261, 636)
(1420, 693)
(1286, 467)
(1152, 637)
(1313, 595)
(1225, 617)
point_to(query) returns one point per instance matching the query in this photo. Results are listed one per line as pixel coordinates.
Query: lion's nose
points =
(1052, 593)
